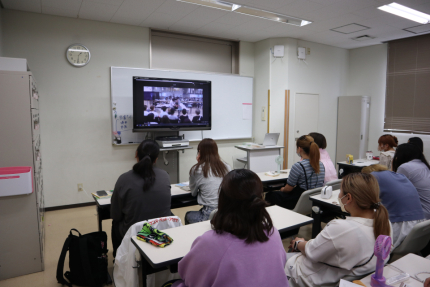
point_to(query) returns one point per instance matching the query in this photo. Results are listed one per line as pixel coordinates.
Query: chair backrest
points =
(416, 240)
(237, 164)
(212, 213)
(335, 184)
(304, 205)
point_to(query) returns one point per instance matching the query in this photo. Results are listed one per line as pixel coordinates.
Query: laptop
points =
(271, 139)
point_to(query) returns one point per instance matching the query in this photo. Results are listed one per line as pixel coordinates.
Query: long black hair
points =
(147, 152)
(241, 207)
(407, 152)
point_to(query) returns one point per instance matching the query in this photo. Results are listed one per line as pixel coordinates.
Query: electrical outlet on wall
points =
(80, 187)
(308, 51)
(263, 113)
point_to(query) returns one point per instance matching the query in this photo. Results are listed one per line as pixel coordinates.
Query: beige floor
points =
(58, 224)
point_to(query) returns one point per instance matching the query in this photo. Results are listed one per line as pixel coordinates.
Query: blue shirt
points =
(297, 175)
(399, 196)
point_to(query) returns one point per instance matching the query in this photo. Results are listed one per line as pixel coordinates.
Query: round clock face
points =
(78, 55)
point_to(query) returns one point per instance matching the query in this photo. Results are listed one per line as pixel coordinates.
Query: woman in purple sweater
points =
(243, 249)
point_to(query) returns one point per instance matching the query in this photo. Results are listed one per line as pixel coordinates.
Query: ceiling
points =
(327, 17)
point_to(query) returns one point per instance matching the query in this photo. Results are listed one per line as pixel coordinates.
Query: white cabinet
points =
(22, 216)
(352, 127)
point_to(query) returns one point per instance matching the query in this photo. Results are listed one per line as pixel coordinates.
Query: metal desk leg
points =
(316, 226)
(145, 266)
(99, 220)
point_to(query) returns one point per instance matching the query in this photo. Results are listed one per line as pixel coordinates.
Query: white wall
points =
(367, 77)
(75, 102)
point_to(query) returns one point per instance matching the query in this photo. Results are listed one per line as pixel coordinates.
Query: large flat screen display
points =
(171, 104)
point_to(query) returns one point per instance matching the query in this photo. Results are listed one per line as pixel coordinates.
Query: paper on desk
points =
(344, 283)
(246, 111)
(182, 184)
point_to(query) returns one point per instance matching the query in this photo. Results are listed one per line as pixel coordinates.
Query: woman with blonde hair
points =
(344, 248)
(304, 175)
(401, 199)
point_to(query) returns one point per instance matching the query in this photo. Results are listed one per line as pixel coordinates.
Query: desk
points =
(274, 182)
(410, 264)
(356, 166)
(180, 198)
(283, 219)
(326, 206)
(261, 159)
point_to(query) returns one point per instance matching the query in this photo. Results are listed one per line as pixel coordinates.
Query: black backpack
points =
(87, 260)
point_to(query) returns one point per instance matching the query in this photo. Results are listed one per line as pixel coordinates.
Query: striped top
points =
(297, 175)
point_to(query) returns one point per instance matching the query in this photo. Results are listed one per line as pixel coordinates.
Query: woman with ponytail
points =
(344, 248)
(304, 175)
(140, 194)
(410, 161)
(243, 248)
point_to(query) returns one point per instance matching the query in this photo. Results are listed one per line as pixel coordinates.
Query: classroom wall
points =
(75, 102)
(367, 77)
(325, 74)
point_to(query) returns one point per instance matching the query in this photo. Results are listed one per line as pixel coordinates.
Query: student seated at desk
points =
(172, 116)
(197, 118)
(165, 120)
(330, 171)
(163, 112)
(344, 248)
(152, 114)
(386, 145)
(410, 161)
(184, 117)
(304, 175)
(140, 194)
(418, 142)
(401, 199)
(205, 178)
(243, 248)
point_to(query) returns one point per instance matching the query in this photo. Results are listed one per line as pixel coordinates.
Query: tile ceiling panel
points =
(60, 11)
(214, 28)
(299, 8)
(109, 2)
(97, 11)
(160, 21)
(350, 28)
(63, 4)
(23, 5)
(174, 7)
(234, 19)
(419, 29)
(333, 23)
(134, 12)
(200, 17)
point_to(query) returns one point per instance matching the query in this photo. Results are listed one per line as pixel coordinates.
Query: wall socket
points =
(308, 51)
(80, 187)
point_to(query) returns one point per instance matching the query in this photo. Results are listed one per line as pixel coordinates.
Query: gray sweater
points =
(130, 204)
(205, 188)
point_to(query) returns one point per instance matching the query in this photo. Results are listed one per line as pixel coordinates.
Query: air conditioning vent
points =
(363, 38)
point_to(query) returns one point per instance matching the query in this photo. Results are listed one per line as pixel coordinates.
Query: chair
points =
(304, 205)
(416, 240)
(238, 162)
(335, 184)
(125, 273)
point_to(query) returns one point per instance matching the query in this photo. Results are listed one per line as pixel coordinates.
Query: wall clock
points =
(78, 55)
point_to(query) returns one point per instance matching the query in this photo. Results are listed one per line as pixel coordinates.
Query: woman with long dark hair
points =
(140, 194)
(205, 178)
(410, 161)
(243, 248)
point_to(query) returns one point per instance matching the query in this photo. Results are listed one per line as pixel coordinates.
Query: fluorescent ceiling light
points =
(250, 11)
(406, 12)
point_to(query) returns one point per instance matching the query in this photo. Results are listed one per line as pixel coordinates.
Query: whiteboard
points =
(231, 103)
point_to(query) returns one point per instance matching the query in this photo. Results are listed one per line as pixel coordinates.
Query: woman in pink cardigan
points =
(330, 171)
(243, 248)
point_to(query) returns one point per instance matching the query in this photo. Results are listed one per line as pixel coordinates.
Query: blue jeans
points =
(198, 216)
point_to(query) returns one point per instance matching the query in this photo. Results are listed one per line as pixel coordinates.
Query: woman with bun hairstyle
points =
(345, 246)
(243, 248)
(140, 194)
(386, 145)
(410, 161)
(304, 175)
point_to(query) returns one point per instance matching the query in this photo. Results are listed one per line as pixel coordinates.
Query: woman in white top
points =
(386, 145)
(345, 247)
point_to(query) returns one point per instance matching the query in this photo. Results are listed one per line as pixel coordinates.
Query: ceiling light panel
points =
(250, 11)
(406, 12)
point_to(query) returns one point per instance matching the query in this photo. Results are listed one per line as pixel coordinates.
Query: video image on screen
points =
(160, 104)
